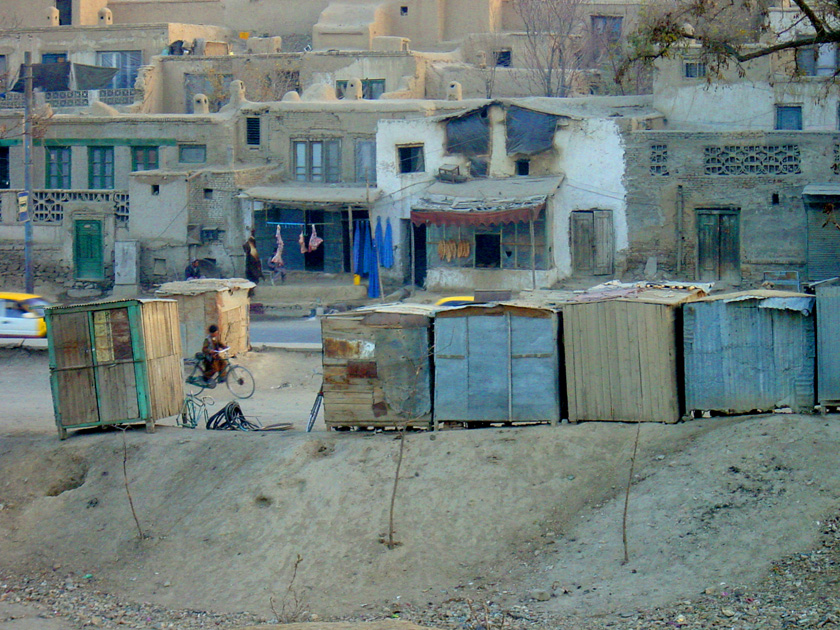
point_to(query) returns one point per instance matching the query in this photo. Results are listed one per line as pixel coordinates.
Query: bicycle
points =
(194, 410)
(238, 379)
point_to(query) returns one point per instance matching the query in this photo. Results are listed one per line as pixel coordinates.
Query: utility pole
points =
(27, 174)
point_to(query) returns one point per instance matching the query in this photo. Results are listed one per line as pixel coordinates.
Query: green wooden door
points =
(87, 250)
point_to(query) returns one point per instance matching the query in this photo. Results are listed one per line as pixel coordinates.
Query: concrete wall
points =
(744, 102)
(772, 231)
(590, 152)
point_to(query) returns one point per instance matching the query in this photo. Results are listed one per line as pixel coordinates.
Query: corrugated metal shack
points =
(497, 363)
(211, 301)
(828, 344)
(114, 362)
(622, 356)
(749, 351)
(377, 367)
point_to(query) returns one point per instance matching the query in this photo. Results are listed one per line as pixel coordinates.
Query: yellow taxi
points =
(22, 315)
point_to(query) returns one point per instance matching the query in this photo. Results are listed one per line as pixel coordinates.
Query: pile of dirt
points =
(228, 521)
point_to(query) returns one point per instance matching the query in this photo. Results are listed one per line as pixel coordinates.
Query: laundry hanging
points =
(386, 254)
(357, 248)
(314, 240)
(373, 274)
(379, 235)
(367, 246)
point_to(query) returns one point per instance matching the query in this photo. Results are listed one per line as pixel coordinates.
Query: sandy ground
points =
(493, 513)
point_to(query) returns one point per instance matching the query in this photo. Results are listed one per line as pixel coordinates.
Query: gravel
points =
(800, 591)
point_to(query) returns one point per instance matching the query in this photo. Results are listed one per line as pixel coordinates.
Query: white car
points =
(22, 315)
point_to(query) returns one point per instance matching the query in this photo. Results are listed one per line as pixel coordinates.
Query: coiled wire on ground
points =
(231, 418)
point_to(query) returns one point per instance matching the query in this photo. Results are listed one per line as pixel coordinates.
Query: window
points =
(488, 250)
(192, 153)
(54, 57)
(4, 73)
(58, 168)
(317, 160)
(128, 63)
(403, 10)
(155, 190)
(606, 28)
(503, 58)
(144, 158)
(208, 193)
(4, 167)
(252, 131)
(372, 89)
(659, 159)
(65, 12)
(789, 117)
(101, 167)
(523, 167)
(817, 61)
(694, 69)
(366, 161)
(411, 158)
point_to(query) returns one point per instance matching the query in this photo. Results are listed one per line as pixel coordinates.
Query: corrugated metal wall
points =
(621, 361)
(828, 340)
(500, 367)
(739, 357)
(823, 245)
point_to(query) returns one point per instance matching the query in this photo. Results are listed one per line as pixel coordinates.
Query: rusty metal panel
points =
(348, 348)
(741, 356)
(828, 342)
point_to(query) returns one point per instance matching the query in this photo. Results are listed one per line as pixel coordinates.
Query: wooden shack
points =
(223, 302)
(377, 367)
(114, 362)
(623, 356)
(497, 363)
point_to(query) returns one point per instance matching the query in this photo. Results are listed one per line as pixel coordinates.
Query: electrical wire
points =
(231, 418)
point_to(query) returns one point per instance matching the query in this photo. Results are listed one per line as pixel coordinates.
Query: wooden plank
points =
(364, 386)
(76, 396)
(604, 242)
(71, 340)
(117, 393)
(361, 369)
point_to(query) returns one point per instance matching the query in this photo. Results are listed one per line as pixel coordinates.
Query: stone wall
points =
(760, 174)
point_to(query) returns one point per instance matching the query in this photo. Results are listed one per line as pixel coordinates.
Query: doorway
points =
(592, 242)
(87, 249)
(718, 245)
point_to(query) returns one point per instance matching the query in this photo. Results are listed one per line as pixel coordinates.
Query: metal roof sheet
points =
(314, 194)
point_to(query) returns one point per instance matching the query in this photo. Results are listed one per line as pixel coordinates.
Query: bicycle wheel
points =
(189, 415)
(240, 382)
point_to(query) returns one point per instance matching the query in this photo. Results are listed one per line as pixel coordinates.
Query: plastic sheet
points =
(529, 132)
(469, 134)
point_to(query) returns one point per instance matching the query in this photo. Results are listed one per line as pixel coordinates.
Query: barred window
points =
(659, 159)
(752, 160)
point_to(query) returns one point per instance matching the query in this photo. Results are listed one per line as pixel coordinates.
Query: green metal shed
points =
(114, 362)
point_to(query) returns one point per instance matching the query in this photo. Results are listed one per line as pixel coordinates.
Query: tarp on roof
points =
(529, 132)
(484, 202)
(469, 134)
(65, 75)
(314, 194)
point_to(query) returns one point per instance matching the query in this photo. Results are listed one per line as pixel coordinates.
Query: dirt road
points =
(529, 519)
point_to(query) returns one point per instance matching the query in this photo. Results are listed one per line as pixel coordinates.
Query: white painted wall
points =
(591, 155)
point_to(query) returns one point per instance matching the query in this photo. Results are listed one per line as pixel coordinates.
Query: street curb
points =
(290, 346)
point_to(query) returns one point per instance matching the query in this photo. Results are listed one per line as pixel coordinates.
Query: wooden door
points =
(72, 379)
(116, 382)
(592, 242)
(87, 250)
(718, 245)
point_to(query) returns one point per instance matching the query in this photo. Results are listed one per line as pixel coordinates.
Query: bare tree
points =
(553, 43)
